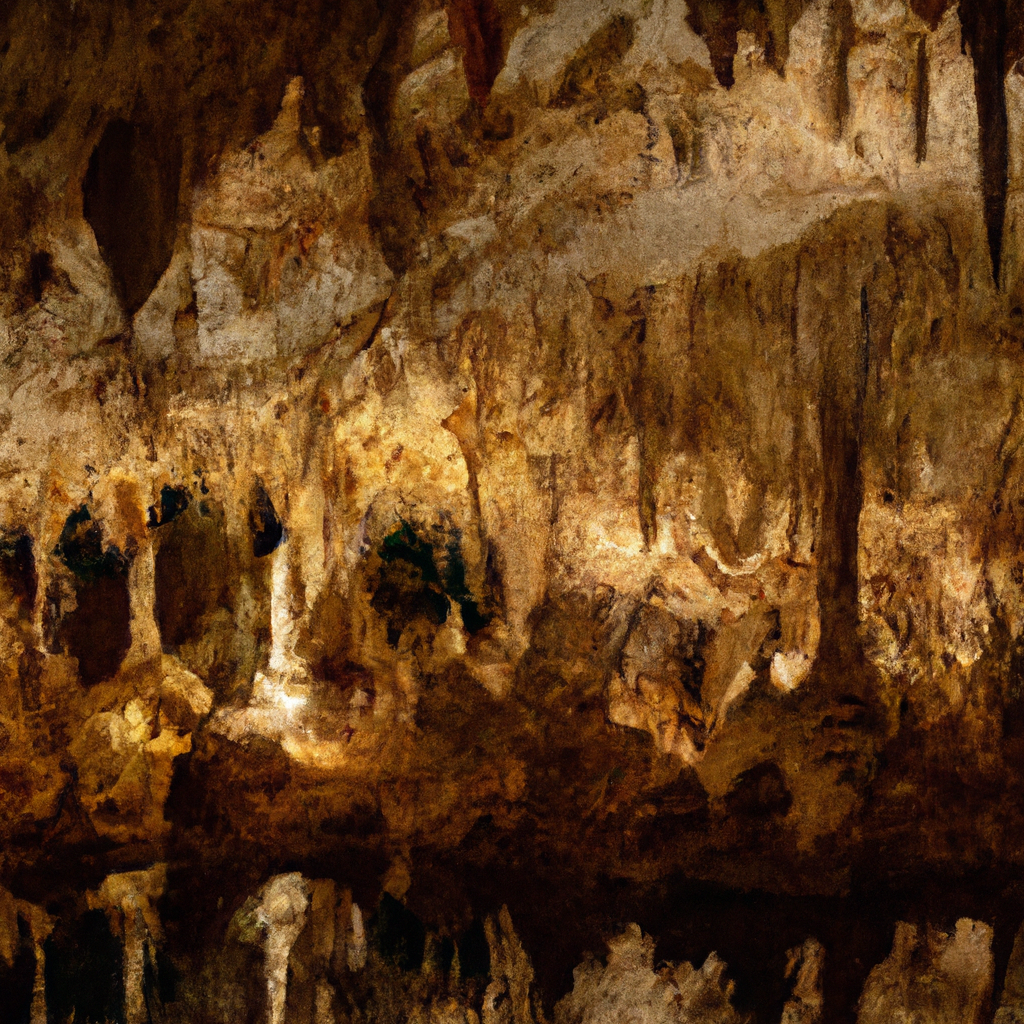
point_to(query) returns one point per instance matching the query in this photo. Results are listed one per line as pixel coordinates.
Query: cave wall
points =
(546, 475)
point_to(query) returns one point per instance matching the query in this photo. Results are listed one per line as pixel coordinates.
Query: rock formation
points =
(511, 512)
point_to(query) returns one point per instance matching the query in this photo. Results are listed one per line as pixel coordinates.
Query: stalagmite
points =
(131, 896)
(355, 940)
(40, 925)
(805, 968)
(507, 999)
(628, 988)
(947, 977)
(282, 912)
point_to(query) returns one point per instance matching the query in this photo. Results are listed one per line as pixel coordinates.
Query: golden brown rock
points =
(477, 461)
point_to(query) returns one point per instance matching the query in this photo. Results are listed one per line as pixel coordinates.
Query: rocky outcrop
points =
(479, 461)
(935, 977)
(628, 988)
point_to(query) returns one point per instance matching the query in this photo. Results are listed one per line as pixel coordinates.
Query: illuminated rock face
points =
(511, 512)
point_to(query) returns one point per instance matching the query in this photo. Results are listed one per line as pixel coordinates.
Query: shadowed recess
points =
(173, 501)
(985, 28)
(84, 980)
(131, 199)
(409, 585)
(97, 631)
(719, 21)
(18, 566)
(398, 933)
(192, 572)
(476, 28)
(264, 525)
(17, 979)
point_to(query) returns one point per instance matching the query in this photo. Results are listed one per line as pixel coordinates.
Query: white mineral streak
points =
(356, 940)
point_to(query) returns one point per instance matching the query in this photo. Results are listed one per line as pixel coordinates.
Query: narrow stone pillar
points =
(355, 941)
(146, 644)
(1013, 230)
(282, 912)
(283, 632)
(129, 897)
(817, 65)
(507, 997)
(805, 1004)
(120, 499)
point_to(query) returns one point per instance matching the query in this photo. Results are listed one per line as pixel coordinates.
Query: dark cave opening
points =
(264, 523)
(97, 631)
(422, 578)
(398, 934)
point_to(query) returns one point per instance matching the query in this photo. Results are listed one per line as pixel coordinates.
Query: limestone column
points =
(1011, 1005)
(816, 65)
(1013, 230)
(282, 912)
(146, 643)
(120, 497)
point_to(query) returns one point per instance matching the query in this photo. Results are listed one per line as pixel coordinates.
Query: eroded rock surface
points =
(476, 476)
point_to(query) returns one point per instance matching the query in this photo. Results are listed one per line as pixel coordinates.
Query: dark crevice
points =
(842, 415)
(173, 502)
(97, 631)
(476, 29)
(264, 524)
(80, 547)
(760, 792)
(84, 979)
(409, 585)
(921, 104)
(17, 978)
(41, 273)
(418, 579)
(398, 934)
(984, 25)
(719, 21)
(842, 29)
(130, 197)
(930, 11)
(18, 567)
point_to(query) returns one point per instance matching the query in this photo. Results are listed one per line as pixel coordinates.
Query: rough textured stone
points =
(465, 462)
